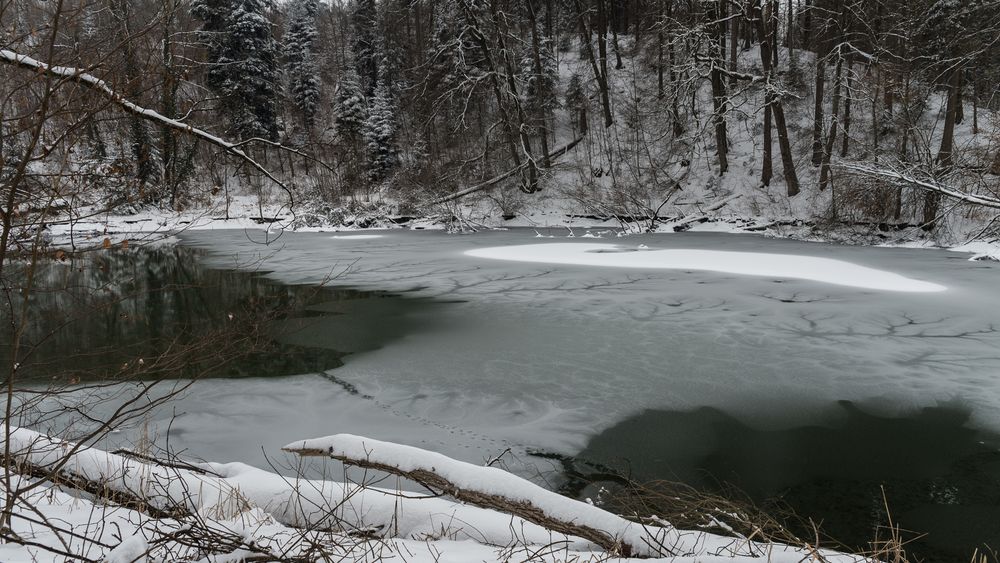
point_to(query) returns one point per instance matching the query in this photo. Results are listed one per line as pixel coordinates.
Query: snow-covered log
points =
(682, 223)
(88, 80)
(277, 514)
(499, 490)
(300, 503)
(907, 178)
(496, 489)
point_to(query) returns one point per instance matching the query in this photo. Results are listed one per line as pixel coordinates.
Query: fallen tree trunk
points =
(224, 490)
(497, 179)
(685, 222)
(496, 489)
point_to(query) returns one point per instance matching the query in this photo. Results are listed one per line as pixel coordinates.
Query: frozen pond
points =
(603, 350)
(540, 355)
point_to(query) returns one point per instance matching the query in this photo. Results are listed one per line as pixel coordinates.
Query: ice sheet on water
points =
(545, 355)
(793, 266)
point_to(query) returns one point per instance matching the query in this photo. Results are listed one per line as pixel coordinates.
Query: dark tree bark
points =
(775, 24)
(824, 172)
(659, 54)
(616, 46)
(975, 106)
(849, 95)
(734, 38)
(599, 65)
(959, 104)
(945, 158)
(767, 160)
(541, 119)
(719, 101)
(774, 102)
(818, 117)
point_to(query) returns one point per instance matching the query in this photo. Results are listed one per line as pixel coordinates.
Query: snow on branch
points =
(238, 507)
(908, 178)
(160, 490)
(496, 489)
(101, 87)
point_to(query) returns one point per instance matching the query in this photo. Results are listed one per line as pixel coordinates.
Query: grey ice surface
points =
(538, 356)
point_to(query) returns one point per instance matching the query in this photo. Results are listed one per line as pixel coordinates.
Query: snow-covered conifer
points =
(300, 58)
(576, 102)
(380, 131)
(366, 44)
(350, 108)
(242, 63)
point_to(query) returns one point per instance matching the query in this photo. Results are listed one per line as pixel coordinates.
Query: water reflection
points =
(92, 313)
(939, 476)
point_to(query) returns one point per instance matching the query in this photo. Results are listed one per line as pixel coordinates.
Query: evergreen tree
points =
(300, 58)
(380, 131)
(365, 45)
(212, 14)
(242, 61)
(576, 102)
(350, 107)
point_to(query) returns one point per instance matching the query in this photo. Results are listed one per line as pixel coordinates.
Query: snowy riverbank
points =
(555, 217)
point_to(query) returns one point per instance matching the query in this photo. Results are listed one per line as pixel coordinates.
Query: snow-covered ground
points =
(549, 212)
(232, 512)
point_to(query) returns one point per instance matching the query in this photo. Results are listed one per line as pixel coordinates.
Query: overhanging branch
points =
(906, 178)
(101, 87)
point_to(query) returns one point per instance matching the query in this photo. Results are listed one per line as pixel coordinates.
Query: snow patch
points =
(824, 270)
(356, 237)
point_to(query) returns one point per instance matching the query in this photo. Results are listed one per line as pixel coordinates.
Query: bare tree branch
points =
(909, 178)
(100, 86)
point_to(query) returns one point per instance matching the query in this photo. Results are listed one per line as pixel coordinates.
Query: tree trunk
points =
(789, 30)
(774, 102)
(824, 171)
(784, 146)
(659, 57)
(719, 92)
(847, 110)
(734, 38)
(675, 114)
(617, 48)
(975, 106)
(775, 24)
(945, 158)
(600, 67)
(959, 105)
(807, 25)
(541, 119)
(767, 166)
(817, 135)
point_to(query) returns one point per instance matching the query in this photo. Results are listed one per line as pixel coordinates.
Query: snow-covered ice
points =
(744, 263)
(535, 355)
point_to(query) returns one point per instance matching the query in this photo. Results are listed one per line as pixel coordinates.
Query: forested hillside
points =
(870, 113)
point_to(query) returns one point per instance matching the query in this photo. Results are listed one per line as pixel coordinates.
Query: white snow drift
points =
(744, 263)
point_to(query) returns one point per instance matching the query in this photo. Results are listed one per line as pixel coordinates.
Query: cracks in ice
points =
(904, 326)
